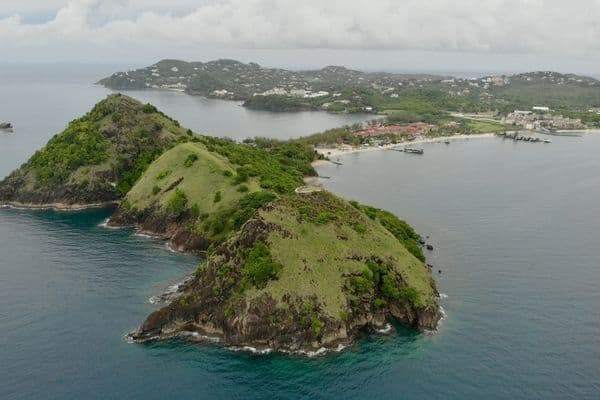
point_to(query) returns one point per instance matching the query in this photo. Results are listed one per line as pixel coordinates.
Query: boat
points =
(413, 150)
(6, 127)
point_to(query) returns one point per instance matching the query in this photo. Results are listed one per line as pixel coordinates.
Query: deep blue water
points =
(515, 228)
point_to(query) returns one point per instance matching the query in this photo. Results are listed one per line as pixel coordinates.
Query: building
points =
(541, 109)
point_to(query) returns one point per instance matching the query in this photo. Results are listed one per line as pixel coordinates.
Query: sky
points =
(393, 35)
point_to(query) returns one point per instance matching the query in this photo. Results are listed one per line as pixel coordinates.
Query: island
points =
(288, 266)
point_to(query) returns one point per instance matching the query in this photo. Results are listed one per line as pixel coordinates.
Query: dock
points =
(522, 137)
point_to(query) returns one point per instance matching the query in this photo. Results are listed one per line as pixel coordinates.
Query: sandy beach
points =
(336, 151)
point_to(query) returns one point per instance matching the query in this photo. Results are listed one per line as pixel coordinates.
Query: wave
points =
(385, 330)
(104, 224)
(308, 353)
(170, 248)
(252, 350)
(146, 235)
(199, 337)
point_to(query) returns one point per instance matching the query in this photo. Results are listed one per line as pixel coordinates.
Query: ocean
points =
(515, 229)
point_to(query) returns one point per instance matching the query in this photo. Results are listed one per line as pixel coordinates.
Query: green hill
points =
(96, 159)
(306, 271)
(197, 193)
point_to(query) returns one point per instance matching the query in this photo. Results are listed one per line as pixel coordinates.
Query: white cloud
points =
(117, 27)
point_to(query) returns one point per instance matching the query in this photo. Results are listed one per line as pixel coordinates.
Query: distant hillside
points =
(338, 89)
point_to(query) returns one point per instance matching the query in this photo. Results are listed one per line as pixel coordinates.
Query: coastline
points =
(336, 151)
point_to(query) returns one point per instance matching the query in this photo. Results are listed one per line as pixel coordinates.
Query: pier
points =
(520, 137)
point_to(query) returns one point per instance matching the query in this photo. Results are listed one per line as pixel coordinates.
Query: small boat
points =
(6, 127)
(447, 142)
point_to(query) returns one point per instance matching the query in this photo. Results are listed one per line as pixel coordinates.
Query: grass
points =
(485, 126)
(317, 257)
(202, 180)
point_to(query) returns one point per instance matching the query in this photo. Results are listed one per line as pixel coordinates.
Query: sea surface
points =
(515, 229)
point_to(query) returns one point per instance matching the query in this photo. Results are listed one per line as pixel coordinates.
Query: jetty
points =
(522, 137)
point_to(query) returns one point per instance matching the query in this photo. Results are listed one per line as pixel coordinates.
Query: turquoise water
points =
(515, 228)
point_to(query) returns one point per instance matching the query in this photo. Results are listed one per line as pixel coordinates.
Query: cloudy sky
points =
(402, 35)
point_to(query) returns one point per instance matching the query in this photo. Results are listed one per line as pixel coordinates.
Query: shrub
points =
(380, 303)
(177, 202)
(195, 210)
(163, 174)
(227, 173)
(360, 228)
(344, 315)
(362, 284)
(156, 189)
(411, 295)
(217, 197)
(78, 145)
(389, 287)
(260, 267)
(149, 108)
(242, 188)
(190, 160)
(323, 217)
(316, 325)
(229, 311)
(248, 206)
(242, 176)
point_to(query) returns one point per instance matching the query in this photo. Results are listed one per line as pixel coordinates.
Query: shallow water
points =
(515, 228)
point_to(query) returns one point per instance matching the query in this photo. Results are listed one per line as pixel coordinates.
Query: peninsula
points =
(287, 268)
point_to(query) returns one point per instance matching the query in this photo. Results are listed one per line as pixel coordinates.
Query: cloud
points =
(117, 27)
